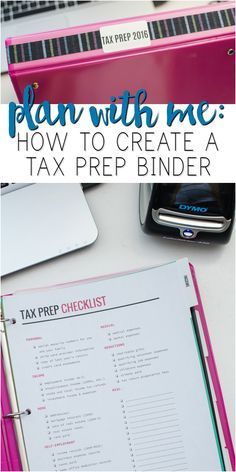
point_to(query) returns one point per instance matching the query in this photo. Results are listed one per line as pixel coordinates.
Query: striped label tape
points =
(79, 43)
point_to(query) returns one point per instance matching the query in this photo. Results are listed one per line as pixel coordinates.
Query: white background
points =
(121, 245)
(16, 165)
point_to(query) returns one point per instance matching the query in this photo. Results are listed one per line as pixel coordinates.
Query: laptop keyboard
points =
(12, 10)
(20, 9)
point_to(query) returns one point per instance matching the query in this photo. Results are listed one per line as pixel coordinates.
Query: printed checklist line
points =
(150, 396)
(158, 440)
(159, 445)
(159, 434)
(161, 450)
(168, 467)
(152, 424)
(148, 403)
(152, 419)
(152, 407)
(164, 461)
(151, 413)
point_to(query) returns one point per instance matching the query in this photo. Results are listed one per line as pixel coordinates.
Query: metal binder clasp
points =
(17, 414)
(8, 320)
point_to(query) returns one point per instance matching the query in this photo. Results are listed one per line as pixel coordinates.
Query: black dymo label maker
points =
(192, 212)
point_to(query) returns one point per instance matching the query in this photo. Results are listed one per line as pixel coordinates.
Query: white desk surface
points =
(122, 245)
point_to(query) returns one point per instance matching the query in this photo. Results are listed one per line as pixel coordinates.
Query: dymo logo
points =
(196, 209)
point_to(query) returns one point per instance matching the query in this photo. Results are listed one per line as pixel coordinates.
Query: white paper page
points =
(111, 373)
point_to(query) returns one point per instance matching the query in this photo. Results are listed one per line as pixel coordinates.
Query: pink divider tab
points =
(10, 457)
(214, 375)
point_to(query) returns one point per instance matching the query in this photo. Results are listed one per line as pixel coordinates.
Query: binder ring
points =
(17, 414)
(8, 320)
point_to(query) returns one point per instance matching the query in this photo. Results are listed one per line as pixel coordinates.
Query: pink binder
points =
(10, 458)
(10, 452)
(188, 57)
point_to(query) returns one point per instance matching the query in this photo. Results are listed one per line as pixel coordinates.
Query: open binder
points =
(13, 420)
(184, 56)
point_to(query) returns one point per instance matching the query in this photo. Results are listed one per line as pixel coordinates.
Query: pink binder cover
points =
(10, 453)
(10, 458)
(186, 68)
(214, 375)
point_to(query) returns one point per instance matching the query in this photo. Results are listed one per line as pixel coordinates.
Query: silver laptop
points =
(42, 221)
(25, 16)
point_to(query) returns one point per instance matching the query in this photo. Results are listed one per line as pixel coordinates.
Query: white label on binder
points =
(125, 36)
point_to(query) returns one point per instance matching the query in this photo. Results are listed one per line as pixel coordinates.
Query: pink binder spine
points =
(10, 458)
(214, 375)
